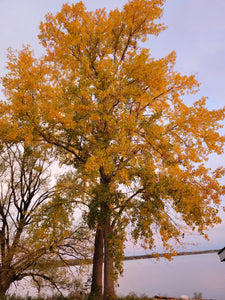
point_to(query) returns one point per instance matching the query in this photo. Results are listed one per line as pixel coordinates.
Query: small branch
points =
(43, 276)
(125, 205)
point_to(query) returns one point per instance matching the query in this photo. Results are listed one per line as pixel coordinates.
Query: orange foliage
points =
(100, 96)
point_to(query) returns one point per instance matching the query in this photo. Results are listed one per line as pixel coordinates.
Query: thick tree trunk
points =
(109, 291)
(2, 293)
(96, 287)
(5, 282)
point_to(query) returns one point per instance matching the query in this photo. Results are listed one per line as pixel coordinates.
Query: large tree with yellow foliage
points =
(117, 115)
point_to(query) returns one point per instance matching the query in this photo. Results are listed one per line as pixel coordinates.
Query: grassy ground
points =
(74, 297)
(85, 297)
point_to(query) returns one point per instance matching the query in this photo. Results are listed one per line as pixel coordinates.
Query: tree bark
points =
(5, 282)
(109, 291)
(96, 286)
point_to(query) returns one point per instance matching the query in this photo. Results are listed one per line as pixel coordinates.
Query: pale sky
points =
(196, 31)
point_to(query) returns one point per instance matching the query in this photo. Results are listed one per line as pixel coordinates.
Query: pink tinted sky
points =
(196, 31)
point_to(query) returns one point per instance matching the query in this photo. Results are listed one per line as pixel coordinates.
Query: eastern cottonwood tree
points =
(117, 116)
(35, 222)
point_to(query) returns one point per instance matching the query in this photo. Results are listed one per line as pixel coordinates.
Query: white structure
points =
(184, 297)
(221, 254)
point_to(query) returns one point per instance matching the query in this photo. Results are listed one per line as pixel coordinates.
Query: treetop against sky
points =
(195, 31)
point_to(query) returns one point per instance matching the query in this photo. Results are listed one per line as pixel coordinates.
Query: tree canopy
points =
(117, 116)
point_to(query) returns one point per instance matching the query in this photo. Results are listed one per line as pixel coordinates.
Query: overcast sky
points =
(196, 31)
